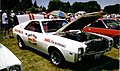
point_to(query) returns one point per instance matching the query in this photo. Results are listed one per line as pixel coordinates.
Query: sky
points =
(102, 3)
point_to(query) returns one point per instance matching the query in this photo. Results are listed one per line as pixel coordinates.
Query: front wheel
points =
(20, 43)
(56, 58)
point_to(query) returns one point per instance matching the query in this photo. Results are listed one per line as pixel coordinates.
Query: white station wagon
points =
(61, 40)
(8, 61)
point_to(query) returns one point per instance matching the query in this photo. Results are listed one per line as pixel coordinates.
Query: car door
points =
(34, 35)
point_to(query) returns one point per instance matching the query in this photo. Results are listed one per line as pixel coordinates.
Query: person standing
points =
(12, 15)
(5, 23)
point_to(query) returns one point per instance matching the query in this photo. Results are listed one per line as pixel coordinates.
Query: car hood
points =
(81, 22)
(7, 58)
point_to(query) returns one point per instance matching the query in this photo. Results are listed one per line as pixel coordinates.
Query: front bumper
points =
(80, 57)
(92, 53)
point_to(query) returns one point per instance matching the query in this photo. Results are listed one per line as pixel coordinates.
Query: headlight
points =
(80, 51)
(15, 68)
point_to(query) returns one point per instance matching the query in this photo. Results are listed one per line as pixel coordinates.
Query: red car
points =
(106, 26)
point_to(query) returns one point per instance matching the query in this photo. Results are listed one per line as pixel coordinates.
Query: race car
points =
(8, 61)
(61, 40)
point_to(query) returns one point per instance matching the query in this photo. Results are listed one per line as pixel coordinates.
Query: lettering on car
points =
(32, 39)
(18, 31)
(55, 43)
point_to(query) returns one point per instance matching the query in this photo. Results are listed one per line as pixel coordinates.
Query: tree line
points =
(91, 6)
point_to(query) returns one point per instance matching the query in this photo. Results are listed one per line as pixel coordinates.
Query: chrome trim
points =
(98, 52)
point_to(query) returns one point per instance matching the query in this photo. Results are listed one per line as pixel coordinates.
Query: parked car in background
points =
(8, 61)
(106, 26)
(61, 40)
(118, 18)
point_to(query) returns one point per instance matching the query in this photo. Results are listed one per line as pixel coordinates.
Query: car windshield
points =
(53, 26)
(111, 23)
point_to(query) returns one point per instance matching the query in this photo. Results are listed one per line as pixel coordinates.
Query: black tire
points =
(20, 43)
(116, 42)
(57, 58)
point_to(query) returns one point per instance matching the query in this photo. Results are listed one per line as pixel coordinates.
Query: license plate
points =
(97, 56)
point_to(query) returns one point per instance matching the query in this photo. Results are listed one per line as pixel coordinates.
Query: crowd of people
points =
(9, 19)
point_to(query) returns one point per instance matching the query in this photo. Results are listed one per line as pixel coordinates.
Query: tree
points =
(78, 6)
(112, 8)
(43, 9)
(92, 6)
(32, 9)
(16, 4)
(66, 7)
(117, 8)
(8, 4)
(29, 4)
(58, 5)
(54, 5)
(35, 4)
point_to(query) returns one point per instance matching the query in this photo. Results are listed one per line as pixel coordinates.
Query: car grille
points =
(97, 46)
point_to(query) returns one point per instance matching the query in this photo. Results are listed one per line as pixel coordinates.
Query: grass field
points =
(33, 60)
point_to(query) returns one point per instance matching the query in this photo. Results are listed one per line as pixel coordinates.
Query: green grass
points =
(33, 60)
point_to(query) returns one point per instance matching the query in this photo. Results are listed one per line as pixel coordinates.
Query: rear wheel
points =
(20, 43)
(56, 58)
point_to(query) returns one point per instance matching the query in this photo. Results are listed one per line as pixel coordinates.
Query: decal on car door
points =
(32, 39)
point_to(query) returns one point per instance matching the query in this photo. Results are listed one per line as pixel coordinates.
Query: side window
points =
(53, 26)
(34, 26)
(98, 24)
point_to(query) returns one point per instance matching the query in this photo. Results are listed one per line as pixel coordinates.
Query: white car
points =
(8, 61)
(61, 40)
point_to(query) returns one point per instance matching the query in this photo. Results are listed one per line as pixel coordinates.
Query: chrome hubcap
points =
(55, 57)
(20, 43)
